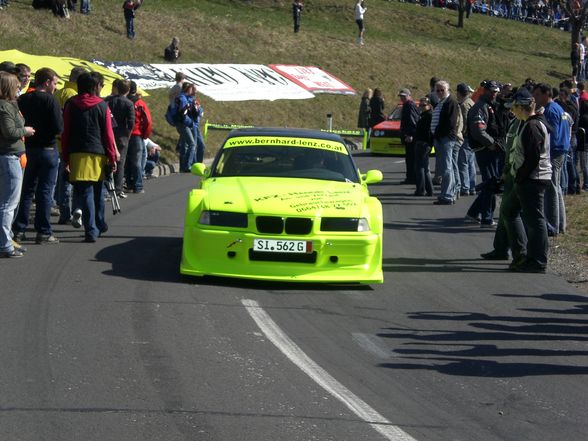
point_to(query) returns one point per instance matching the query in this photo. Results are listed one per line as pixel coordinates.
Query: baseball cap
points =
(404, 92)
(522, 97)
(492, 86)
(464, 89)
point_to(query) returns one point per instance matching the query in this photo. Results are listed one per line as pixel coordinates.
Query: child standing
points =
(129, 8)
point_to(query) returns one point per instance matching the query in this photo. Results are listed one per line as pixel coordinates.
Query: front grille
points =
(282, 257)
(298, 225)
(270, 224)
(277, 225)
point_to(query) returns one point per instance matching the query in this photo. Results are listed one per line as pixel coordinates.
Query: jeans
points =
(510, 223)
(200, 146)
(151, 162)
(130, 21)
(582, 156)
(85, 6)
(10, 187)
(485, 202)
(63, 192)
(39, 179)
(455, 167)
(466, 163)
(444, 151)
(555, 210)
(135, 163)
(187, 147)
(530, 194)
(424, 183)
(144, 160)
(573, 177)
(89, 198)
(122, 143)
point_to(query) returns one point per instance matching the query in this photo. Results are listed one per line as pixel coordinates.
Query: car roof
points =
(287, 132)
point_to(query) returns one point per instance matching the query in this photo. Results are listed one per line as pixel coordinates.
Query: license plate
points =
(282, 246)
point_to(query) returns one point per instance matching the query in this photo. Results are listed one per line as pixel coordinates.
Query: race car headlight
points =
(345, 224)
(223, 219)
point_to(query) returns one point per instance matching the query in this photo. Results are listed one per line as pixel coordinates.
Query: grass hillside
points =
(405, 45)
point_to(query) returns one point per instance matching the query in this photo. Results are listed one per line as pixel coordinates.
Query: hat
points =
(464, 89)
(492, 86)
(522, 97)
(404, 92)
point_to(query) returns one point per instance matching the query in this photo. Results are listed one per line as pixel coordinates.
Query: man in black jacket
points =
(444, 130)
(41, 111)
(123, 112)
(408, 122)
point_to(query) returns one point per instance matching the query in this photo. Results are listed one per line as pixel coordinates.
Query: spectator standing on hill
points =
(297, 7)
(141, 130)
(377, 106)
(487, 142)
(129, 8)
(41, 111)
(582, 60)
(63, 188)
(559, 144)
(575, 60)
(88, 149)
(12, 148)
(185, 127)
(422, 144)
(466, 160)
(408, 122)
(444, 126)
(360, 9)
(172, 52)
(123, 112)
(583, 141)
(363, 118)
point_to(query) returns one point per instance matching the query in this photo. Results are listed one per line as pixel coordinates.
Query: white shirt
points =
(359, 11)
(582, 52)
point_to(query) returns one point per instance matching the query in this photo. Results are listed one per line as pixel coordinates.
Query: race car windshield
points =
(286, 162)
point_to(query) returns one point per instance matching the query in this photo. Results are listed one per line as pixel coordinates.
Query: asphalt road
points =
(106, 341)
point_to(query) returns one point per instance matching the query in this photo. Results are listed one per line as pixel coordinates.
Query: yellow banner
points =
(322, 144)
(61, 65)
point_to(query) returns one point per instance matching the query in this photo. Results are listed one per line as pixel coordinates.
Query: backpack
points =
(171, 114)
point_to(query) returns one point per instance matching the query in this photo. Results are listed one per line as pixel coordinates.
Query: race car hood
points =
(285, 196)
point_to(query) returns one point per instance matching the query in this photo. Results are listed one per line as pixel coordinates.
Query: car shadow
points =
(424, 265)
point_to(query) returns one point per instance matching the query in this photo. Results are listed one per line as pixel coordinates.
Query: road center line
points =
(359, 407)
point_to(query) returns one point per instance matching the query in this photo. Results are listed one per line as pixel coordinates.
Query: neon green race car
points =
(284, 205)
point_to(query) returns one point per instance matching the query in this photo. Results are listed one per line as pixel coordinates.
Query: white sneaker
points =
(76, 219)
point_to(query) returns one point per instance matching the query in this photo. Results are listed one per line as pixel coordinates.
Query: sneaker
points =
(89, 239)
(10, 254)
(55, 211)
(18, 247)
(46, 238)
(490, 225)
(471, 220)
(122, 195)
(76, 219)
(139, 191)
(494, 255)
(20, 236)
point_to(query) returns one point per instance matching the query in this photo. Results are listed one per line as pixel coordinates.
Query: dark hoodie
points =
(87, 128)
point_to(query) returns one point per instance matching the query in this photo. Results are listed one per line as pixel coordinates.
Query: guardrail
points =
(361, 133)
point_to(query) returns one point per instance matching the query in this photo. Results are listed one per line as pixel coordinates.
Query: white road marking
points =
(399, 162)
(359, 407)
(369, 344)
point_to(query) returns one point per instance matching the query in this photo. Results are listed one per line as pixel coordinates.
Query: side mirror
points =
(199, 169)
(372, 177)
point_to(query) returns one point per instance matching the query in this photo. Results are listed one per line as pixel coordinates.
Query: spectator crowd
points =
(528, 143)
(58, 147)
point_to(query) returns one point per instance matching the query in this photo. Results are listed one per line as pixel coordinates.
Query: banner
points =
(61, 65)
(313, 79)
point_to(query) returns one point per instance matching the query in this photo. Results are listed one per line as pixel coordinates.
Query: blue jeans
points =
(187, 147)
(444, 150)
(582, 157)
(555, 210)
(135, 163)
(466, 163)
(63, 191)
(200, 147)
(10, 186)
(510, 232)
(130, 21)
(40, 176)
(573, 177)
(455, 167)
(485, 202)
(85, 6)
(89, 198)
(151, 162)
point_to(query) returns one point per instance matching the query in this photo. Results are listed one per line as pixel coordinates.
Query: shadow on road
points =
(424, 265)
(499, 346)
